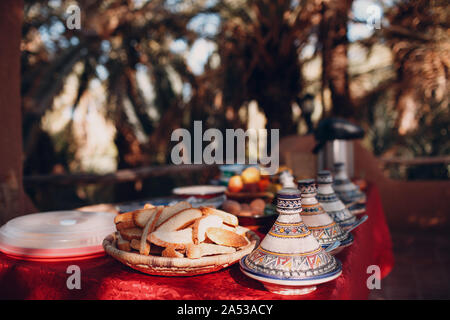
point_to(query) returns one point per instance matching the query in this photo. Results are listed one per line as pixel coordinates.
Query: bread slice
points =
(125, 225)
(180, 220)
(170, 252)
(141, 217)
(122, 244)
(228, 227)
(201, 224)
(154, 249)
(241, 230)
(228, 218)
(195, 251)
(124, 217)
(225, 237)
(136, 245)
(177, 239)
(131, 233)
(149, 227)
(148, 206)
(169, 211)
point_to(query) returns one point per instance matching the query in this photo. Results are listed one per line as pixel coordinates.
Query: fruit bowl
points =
(250, 196)
(254, 220)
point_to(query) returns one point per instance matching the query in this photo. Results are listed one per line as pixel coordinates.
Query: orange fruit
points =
(235, 184)
(263, 184)
(251, 175)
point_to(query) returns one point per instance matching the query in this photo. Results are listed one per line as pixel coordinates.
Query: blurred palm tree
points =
(258, 57)
(117, 37)
(420, 40)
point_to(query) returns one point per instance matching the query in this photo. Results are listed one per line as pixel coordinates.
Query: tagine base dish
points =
(358, 212)
(357, 208)
(344, 244)
(249, 196)
(288, 291)
(163, 266)
(291, 286)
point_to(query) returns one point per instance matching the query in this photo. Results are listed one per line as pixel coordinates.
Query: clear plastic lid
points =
(56, 234)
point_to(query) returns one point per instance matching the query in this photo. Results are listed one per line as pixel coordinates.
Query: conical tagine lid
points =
(289, 251)
(347, 191)
(330, 201)
(323, 227)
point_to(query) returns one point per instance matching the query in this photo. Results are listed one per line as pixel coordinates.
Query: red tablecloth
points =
(106, 278)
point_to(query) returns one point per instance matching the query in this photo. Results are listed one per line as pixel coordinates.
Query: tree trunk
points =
(12, 198)
(333, 36)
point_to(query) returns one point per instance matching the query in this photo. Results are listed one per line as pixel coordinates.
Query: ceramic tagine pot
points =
(289, 260)
(347, 191)
(333, 205)
(326, 231)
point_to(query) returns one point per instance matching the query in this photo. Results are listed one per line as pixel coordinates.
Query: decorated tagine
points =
(323, 227)
(290, 261)
(347, 191)
(333, 205)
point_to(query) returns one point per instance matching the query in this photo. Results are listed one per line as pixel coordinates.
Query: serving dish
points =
(163, 266)
(56, 235)
(200, 191)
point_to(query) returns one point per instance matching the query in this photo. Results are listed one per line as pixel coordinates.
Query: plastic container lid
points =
(56, 235)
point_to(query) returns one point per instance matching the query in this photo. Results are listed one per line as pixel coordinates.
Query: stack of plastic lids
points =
(56, 235)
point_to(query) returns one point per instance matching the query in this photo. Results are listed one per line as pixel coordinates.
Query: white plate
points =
(56, 234)
(202, 190)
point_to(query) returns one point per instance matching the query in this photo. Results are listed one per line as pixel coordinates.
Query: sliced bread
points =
(149, 227)
(131, 233)
(124, 217)
(136, 245)
(177, 239)
(195, 251)
(201, 224)
(141, 217)
(226, 238)
(122, 244)
(169, 211)
(180, 220)
(228, 218)
(170, 252)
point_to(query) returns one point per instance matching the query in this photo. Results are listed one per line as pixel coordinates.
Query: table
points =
(106, 278)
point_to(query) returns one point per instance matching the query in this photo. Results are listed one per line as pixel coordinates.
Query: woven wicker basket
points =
(163, 266)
